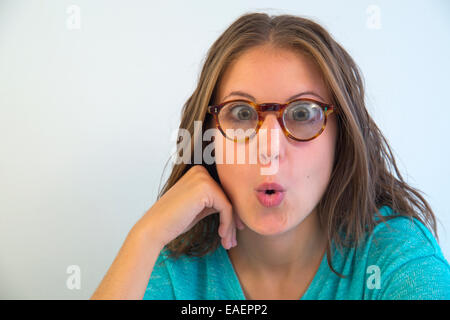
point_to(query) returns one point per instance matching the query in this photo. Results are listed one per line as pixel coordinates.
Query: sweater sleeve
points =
(160, 285)
(424, 278)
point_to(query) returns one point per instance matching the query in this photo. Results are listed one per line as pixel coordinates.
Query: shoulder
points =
(402, 238)
(184, 277)
(160, 285)
(408, 259)
(185, 266)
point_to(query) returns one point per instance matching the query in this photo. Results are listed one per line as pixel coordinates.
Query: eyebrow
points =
(249, 96)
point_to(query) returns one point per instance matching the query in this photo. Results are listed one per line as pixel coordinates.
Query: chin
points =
(268, 224)
(272, 224)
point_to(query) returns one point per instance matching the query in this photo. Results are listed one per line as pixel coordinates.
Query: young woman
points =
(329, 221)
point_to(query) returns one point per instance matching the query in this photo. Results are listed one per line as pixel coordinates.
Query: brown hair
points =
(362, 180)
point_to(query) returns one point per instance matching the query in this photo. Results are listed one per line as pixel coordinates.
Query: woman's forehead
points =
(274, 74)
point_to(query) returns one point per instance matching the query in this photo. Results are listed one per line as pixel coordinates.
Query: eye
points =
(242, 112)
(303, 112)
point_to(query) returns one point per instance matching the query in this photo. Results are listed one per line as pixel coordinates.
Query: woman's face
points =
(303, 169)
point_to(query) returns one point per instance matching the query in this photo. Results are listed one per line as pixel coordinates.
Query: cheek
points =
(236, 184)
(233, 173)
(313, 170)
(314, 164)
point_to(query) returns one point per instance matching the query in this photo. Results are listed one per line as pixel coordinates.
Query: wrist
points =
(147, 234)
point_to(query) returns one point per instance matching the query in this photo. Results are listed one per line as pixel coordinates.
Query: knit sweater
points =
(399, 259)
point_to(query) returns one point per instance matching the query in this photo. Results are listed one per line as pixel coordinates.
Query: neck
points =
(301, 248)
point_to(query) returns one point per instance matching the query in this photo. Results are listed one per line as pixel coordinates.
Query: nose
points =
(271, 140)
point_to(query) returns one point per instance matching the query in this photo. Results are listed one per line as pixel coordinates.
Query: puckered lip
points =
(270, 186)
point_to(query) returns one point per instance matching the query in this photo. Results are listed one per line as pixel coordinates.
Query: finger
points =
(229, 234)
(223, 232)
(203, 214)
(221, 204)
(239, 224)
(206, 212)
(234, 237)
(232, 234)
(233, 230)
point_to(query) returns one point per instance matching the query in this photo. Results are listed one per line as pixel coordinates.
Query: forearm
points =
(128, 276)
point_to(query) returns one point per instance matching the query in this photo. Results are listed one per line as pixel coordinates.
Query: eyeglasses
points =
(301, 119)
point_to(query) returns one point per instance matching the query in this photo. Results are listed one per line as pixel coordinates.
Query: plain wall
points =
(87, 111)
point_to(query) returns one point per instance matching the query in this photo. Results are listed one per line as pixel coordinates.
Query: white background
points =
(86, 115)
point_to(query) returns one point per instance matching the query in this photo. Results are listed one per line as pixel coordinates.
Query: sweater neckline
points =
(235, 285)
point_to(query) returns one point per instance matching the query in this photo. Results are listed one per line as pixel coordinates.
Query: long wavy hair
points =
(364, 177)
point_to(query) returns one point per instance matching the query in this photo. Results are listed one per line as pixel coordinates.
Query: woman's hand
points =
(193, 197)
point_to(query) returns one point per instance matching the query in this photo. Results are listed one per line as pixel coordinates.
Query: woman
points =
(326, 219)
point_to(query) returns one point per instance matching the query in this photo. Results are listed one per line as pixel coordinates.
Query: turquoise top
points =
(401, 260)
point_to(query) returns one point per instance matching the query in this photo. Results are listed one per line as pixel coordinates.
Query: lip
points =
(270, 200)
(270, 186)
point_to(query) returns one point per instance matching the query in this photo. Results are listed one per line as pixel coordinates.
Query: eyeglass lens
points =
(302, 119)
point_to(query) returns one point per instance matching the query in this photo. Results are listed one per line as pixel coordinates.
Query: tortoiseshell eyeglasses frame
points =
(277, 107)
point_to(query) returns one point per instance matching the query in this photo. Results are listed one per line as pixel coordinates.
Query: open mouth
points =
(270, 188)
(270, 197)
